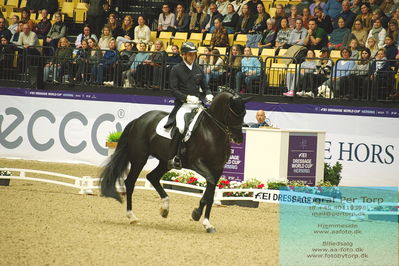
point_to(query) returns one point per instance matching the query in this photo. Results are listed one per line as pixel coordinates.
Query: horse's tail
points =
(116, 166)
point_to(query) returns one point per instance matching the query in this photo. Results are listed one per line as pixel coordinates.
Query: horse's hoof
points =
(196, 214)
(211, 230)
(132, 218)
(134, 221)
(164, 213)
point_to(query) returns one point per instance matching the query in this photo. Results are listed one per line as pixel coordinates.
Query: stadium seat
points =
(201, 50)
(168, 49)
(276, 74)
(164, 36)
(13, 3)
(272, 12)
(222, 50)
(153, 36)
(196, 38)
(179, 38)
(67, 8)
(317, 53)
(79, 15)
(241, 39)
(267, 4)
(335, 55)
(207, 40)
(255, 51)
(231, 39)
(281, 53)
(23, 4)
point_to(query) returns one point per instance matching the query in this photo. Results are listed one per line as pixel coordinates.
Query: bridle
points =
(226, 128)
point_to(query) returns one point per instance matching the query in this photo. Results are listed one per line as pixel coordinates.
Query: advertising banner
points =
(234, 168)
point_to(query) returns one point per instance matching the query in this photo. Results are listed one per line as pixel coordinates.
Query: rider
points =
(187, 82)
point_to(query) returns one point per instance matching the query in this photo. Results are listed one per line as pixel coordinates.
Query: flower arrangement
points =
(5, 182)
(184, 176)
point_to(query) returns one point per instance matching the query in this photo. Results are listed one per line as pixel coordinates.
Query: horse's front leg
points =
(206, 200)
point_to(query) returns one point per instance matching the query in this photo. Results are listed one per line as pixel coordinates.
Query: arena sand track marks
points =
(47, 224)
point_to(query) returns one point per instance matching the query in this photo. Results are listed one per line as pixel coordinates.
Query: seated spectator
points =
(209, 21)
(25, 18)
(340, 36)
(141, 56)
(261, 119)
(6, 57)
(106, 36)
(380, 74)
(346, 13)
(37, 5)
(234, 65)
(219, 36)
(238, 5)
(93, 58)
(81, 60)
(142, 33)
(378, 33)
(43, 27)
(127, 32)
(355, 6)
(374, 5)
(297, 81)
(358, 79)
(390, 49)
(388, 7)
(378, 14)
(260, 21)
(333, 8)
(353, 46)
(230, 20)
(279, 15)
(304, 4)
(253, 5)
(395, 15)
(175, 57)
(85, 35)
(3, 29)
(293, 17)
(393, 31)
(245, 21)
(222, 6)
(14, 25)
(306, 17)
(269, 35)
(283, 34)
(113, 24)
(214, 69)
(373, 46)
(298, 34)
(316, 3)
(15, 36)
(194, 4)
(166, 19)
(316, 38)
(204, 59)
(57, 68)
(323, 20)
(106, 62)
(182, 19)
(365, 16)
(126, 58)
(250, 71)
(197, 19)
(28, 39)
(359, 32)
(57, 31)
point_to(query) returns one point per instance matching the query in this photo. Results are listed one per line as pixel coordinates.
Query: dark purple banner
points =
(234, 168)
(302, 152)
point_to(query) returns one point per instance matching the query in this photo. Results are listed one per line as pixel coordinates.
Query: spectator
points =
(333, 8)
(355, 7)
(14, 25)
(138, 60)
(317, 37)
(106, 36)
(347, 14)
(295, 80)
(261, 118)
(93, 58)
(222, 6)
(194, 3)
(280, 14)
(15, 36)
(127, 32)
(197, 19)
(323, 20)
(3, 29)
(6, 56)
(234, 65)
(230, 20)
(151, 70)
(29, 42)
(293, 17)
(250, 71)
(393, 31)
(219, 36)
(81, 60)
(395, 15)
(390, 48)
(62, 57)
(304, 4)
(340, 36)
(268, 38)
(306, 17)
(95, 16)
(113, 24)
(253, 5)
(215, 68)
(25, 18)
(358, 79)
(209, 21)
(57, 31)
(298, 34)
(126, 56)
(43, 27)
(245, 21)
(353, 46)
(388, 7)
(378, 14)
(373, 46)
(182, 19)
(378, 33)
(374, 5)
(106, 62)
(204, 59)
(142, 33)
(238, 5)
(317, 3)
(166, 19)
(283, 34)
(175, 57)
(36, 5)
(359, 32)
(380, 71)
(260, 22)
(365, 16)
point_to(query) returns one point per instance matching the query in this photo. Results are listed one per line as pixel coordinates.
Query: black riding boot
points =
(174, 155)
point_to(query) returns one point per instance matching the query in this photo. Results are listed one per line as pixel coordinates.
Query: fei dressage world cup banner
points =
(72, 127)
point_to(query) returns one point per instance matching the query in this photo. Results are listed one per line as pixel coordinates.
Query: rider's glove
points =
(209, 98)
(192, 99)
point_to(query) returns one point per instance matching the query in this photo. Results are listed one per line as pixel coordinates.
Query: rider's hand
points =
(192, 99)
(209, 98)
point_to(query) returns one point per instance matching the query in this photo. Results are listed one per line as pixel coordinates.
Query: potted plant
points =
(112, 141)
(248, 184)
(5, 181)
(184, 177)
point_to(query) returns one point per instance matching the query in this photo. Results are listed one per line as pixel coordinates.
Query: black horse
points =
(207, 151)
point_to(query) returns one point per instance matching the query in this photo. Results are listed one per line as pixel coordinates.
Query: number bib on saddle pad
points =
(167, 132)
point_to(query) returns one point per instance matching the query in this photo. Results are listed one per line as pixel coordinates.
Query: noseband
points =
(226, 128)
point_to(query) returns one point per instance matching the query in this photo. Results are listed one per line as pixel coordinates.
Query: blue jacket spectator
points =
(333, 8)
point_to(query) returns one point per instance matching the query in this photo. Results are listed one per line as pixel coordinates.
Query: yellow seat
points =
(196, 38)
(169, 49)
(281, 53)
(164, 36)
(23, 4)
(79, 15)
(201, 50)
(241, 39)
(267, 4)
(335, 55)
(13, 3)
(153, 36)
(317, 53)
(222, 50)
(272, 11)
(276, 73)
(179, 38)
(67, 8)
(82, 6)
(207, 40)
(255, 51)
(231, 39)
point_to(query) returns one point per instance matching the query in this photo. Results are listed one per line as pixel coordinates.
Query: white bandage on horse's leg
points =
(130, 215)
(165, 203)
(207, 224)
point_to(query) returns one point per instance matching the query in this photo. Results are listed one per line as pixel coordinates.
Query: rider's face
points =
(190, 58)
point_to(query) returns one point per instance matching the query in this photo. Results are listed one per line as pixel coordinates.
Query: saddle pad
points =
(166, 132)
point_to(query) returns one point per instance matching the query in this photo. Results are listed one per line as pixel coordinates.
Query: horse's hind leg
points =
(130, 182)
(154, 176)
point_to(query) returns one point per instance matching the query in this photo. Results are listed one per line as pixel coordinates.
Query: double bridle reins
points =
(226, 128)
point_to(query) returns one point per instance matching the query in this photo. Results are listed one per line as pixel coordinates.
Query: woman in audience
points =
(141, 56)
(7, 52)
(283, 34)
(127, 32)
(214, 69)
(25, 18)
(378, 33)
(268, 39)
(355, 6)
(107, 61)
(197, 18)
(85, 35)
(175, 57)
(260, 21)
(358, 79)
(113, 24)
(219, 36)
(293, 16)
(62, 58)
(306, 16)
(230, 20)
(57, 31)
(151, 69)
(393, 30)
(353, 46)
(142, 33)
(14, 25)
(166, 19)
(106, 36)
(316, 3)
(280, 13)
(380, 71)
(234, 65)
(182, 20)
(339, 37)
(81, 60)
(204, 59)
(250, 71)
(245, 21)
(359, 32)
(94, 57)
(373, 46)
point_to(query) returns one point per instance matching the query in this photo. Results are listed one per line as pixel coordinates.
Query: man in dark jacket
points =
(187, 82)
(209, 22)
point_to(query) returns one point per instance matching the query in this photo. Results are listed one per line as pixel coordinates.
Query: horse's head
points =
(229, 109)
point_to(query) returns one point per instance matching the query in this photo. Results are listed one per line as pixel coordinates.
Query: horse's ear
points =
(247, 99)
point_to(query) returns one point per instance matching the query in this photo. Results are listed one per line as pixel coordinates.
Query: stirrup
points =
(174, 163)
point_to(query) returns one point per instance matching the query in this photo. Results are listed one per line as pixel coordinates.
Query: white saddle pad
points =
(167, 132)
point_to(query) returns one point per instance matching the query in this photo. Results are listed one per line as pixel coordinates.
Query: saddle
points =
(191, 121)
